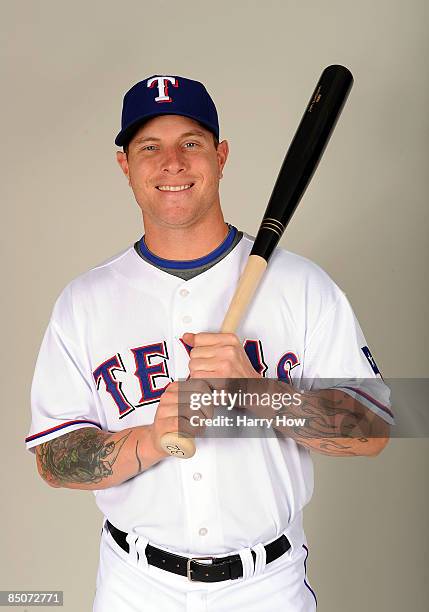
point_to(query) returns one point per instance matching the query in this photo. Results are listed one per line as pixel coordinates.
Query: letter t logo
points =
(162, 83)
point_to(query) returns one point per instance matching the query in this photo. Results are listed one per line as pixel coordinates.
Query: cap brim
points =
(124, 136)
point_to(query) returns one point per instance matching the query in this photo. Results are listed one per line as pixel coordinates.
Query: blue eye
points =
(191, 145)
(149, 148)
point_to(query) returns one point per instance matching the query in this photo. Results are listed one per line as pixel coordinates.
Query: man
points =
(222, 530)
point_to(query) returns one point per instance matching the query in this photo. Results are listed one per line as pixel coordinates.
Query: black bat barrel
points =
(303, 156)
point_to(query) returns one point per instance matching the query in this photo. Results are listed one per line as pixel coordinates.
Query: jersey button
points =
(184, 292)
(197, 476)
(187, 319)
(203, 531)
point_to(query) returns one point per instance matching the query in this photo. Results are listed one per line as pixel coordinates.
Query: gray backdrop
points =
(364, 219)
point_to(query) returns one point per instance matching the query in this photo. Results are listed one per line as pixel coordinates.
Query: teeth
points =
(173, 187)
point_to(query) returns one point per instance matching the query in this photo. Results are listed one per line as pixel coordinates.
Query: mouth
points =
(184, 187)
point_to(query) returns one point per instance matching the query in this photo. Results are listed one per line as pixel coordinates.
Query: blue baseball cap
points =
(166, 95)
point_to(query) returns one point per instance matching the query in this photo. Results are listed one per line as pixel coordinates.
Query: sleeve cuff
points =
(58, 430)
(370, 402)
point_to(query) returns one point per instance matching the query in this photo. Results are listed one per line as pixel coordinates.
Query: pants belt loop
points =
(132, 538)
(261, 559)
(247, 561)
(141, 552)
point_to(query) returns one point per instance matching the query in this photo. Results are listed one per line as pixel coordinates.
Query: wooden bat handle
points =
(246, 287)
(179, 445)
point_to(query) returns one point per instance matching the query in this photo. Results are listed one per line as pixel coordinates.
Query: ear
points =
(222, 155)
(122, 160)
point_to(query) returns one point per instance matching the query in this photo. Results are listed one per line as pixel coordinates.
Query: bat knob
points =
(178, 445)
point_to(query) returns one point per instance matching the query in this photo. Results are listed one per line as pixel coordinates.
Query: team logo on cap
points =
(162, 83)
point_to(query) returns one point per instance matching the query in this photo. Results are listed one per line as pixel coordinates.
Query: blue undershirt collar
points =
(191, 263)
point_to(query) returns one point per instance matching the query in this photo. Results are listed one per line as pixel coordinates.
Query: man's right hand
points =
(173, 412)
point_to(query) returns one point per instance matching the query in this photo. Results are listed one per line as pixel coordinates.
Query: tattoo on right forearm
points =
(82, 456)
(138, 459)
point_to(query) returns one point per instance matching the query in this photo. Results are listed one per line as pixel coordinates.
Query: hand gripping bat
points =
(302, 158)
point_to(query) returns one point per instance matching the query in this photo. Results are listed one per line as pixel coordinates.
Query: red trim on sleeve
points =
(58, 427)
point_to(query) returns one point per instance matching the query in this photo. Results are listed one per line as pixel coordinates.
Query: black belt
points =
(221, 568)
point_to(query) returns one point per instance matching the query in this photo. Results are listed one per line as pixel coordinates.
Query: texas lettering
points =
(151, 373)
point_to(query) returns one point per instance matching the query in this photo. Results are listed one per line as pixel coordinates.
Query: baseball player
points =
(222, 530)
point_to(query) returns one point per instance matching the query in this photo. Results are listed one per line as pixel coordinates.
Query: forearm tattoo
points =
(82, 456)
(335, 425)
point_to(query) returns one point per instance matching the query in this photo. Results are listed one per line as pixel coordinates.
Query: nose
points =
(173, 161)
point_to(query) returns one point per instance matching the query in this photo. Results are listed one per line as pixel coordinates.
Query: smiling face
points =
(174, 170)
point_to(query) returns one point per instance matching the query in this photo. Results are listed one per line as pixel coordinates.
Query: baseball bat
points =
(299, 165)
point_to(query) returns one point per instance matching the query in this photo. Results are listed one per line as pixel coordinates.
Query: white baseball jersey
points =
(113, 344)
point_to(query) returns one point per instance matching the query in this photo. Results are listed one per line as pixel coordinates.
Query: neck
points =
(185, 243)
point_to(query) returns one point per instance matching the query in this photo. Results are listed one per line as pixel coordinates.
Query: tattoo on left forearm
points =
(330, 422)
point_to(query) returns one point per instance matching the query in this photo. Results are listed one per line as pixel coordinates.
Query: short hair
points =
(125, 147)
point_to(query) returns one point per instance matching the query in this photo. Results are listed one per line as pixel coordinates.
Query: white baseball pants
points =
(127, 585)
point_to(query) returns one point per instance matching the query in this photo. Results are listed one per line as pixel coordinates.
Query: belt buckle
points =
(195, 560)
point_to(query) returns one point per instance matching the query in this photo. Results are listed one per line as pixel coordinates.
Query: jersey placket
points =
(184, 318)
(199, 480)
(199, 472)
